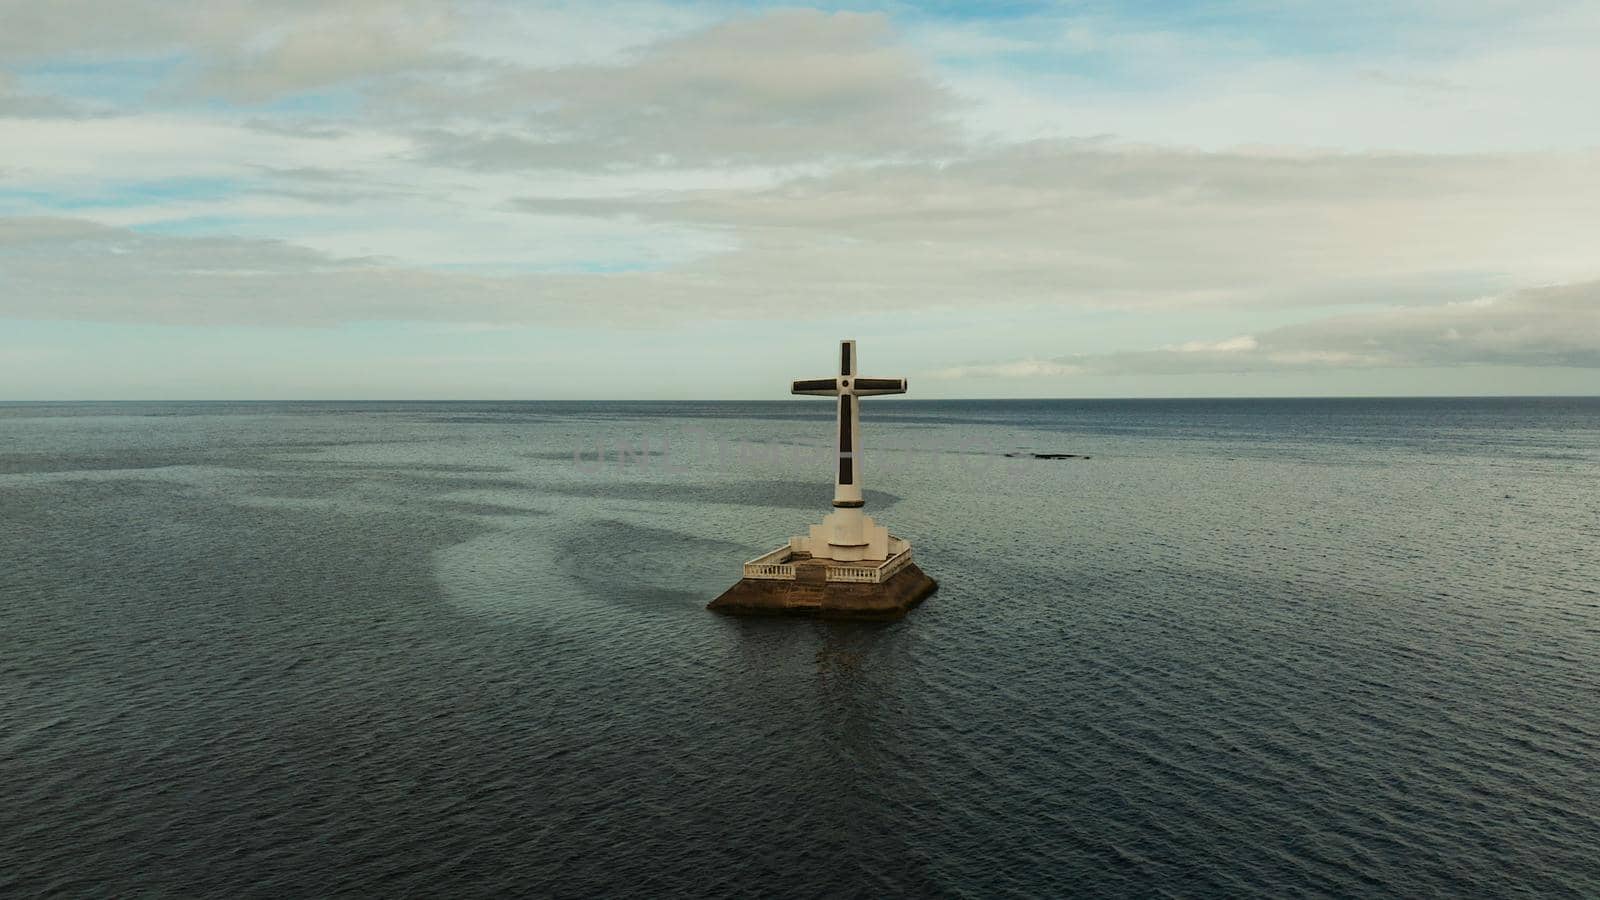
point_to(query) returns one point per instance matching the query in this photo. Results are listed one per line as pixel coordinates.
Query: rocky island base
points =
(810, 593)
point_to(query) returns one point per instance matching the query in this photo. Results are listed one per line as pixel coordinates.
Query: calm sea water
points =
(1268, 648)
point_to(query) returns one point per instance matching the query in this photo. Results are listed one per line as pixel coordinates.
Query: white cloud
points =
(1023, 368)
(247, 49)
(548, 35)
(72, 269)
(1552, 326)
(69, 154)
(782, 87)
(331, 45)
(15, 102)
(1063, 225)
(1240, 344)
(1105, 225)
(1459, 77)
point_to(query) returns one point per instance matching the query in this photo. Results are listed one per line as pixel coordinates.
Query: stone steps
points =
(802, 595)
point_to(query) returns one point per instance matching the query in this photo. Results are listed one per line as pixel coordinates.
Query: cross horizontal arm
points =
(868, 387)
(820, 387)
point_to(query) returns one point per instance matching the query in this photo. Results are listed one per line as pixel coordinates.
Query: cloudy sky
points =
(485, 199)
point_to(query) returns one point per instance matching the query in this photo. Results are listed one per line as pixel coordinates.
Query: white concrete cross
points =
(849, 534)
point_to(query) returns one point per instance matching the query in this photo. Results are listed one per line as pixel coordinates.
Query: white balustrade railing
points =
(770, 565)
(775, 565)
(900, 561)
(852, 573)
(871, 574)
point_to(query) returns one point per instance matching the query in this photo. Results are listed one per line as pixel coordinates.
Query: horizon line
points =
(876, 400)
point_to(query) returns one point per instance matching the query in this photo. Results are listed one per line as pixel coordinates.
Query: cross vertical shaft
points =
(849, 531)
(847, 480)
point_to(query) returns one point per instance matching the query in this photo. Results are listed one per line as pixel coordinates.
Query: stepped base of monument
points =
(891, 599)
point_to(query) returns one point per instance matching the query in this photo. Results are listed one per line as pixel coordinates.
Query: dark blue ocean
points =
(1262, 648)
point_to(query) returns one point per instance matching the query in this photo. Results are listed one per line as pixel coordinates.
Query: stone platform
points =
(793, 584)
